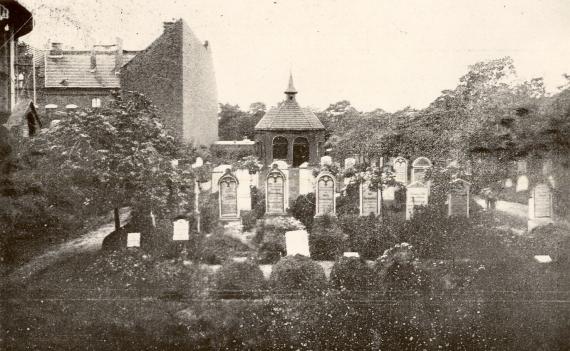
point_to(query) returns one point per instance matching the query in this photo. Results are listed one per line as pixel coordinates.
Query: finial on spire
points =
(291, 88)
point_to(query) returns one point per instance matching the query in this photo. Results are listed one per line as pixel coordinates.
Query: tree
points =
(123, 151)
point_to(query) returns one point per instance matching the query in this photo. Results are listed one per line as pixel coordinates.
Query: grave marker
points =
(419, 169)
(275, 192)
(540, 206)
(369, 200)
(297, 243)
(351, 254)
(133, 239)
(458, 198)
(416, 195)
(326, 160)
(521, 167)
(326, 202)
(508, 183)
(401, 170)
(522, 183)
(349, 162)
(389, 193)
(180, 230)
(228, 187)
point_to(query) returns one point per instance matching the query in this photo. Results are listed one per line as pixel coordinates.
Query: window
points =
(96, 102)
(280, 148)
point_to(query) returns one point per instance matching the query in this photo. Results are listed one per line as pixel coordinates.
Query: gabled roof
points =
(289, 115)
(73, 70)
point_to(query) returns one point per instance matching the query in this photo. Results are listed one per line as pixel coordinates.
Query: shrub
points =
(295, 273)
(326, 240)
(550, 240)
(257, 202)
(217, 247)
(209, 212)
(239, 280)
(349, 203)
(271, 252)
(351, 273)
(367, 235)
(248, 219)
(398, 270)
(303, 209)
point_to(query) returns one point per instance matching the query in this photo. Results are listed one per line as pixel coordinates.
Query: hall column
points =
(290, 141)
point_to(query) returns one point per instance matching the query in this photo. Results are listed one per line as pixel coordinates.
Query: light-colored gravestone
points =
(522, 183)
(508, 183)
(306, 180)
(217, 173)
(133, 239)
(349, 162)
(547, 167)
(400, 165)
(417, 194)
(351, 254)
(228, 192)
(369, 200)
(244, 191)
(326, 161)
(389, 193)
(180, 230)
(325, 195)
(198, 163)
(521, 167)
(297, 243)
(420, 167)
(540, 206)
(275, 192)
(458, 198)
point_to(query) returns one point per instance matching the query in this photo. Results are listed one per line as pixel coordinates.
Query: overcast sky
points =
(375, 53)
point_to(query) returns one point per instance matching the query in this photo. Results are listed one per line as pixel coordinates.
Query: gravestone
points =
(245, 181)
(133, 239)
(458, 198)
(306, 179)
(326, 160)
(547, 166)
(217, 173)
(180, 230)
(351, 254)
(198, 163)
(297, 243)
(508, 183)
(174, 163)
(522, 183)
(369, 200)
(228, 196)
(389, 193)
(416, 195)
(540, 206)
(400, 165)
(325, 195)
(275, 192)
(419, 169)
(349, 162)
(521, 167)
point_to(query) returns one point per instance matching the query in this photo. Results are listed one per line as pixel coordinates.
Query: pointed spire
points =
(291, 88)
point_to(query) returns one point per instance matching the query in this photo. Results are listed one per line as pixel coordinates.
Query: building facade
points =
(176, 73)
(290, 133)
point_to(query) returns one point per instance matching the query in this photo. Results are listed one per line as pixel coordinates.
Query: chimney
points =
(119, 55)
(93, 59)
(56, 49)
(168, 25)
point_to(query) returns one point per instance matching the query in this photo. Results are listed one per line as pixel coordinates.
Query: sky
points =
(374, 53)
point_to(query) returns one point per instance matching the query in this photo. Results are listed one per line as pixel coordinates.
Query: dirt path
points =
(89, 242)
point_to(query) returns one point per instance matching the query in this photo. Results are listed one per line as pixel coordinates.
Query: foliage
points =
(241, 280)
(399, 270)
(348, 203)
(351, 273)
(368, 235)
(297, 273)
(209, 212)
(257, 202)
(248, 220)
(216, 248)
(251, 163)
(326, 239)
(235, 124)
(303, 209)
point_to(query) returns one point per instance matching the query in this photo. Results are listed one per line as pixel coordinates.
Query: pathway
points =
(89, 242)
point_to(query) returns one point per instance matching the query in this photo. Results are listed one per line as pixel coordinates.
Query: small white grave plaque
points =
(297, 243)
(508, 183)
(543, 258)
(351, 254)
(522, 183)
(389, 194)
(326, 160)
(181, 230)
(133, 239)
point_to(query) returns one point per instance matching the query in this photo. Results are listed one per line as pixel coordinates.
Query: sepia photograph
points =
(285, 175)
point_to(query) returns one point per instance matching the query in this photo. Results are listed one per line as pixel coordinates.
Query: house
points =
(176, 73)
(79, 78)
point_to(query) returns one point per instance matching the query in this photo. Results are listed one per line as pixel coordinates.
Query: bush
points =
(303, 209)
(349, 204)
(217, 247)
(257, 202)
(209, 212)
(248, 219)
(549, 240)
(239, 280)
(295, 273)
(351, 273)
(398, 270)
(367, 235)
(326, 240)
(271, 252)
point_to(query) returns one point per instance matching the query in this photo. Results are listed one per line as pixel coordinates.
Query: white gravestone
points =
(180, 230)
(306, 180)
(133, 239)
(547, 167)
(351, 254)
(326, 160)
(244, 190)
(349, 162)
(420, 167)
(522, 183)
(508, 183)
(416, 195)
(400, 165)
(540, 206)
(275, 192)
(369, 200)
(297, 243)
(217, 173)
(325, 195)
(228, 196)
(389, 193)
(521, 167)
(458, 198)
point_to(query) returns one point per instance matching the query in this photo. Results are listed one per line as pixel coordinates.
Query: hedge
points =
(351, 273)
(297, 273)
(239, 280)
(326, 240)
